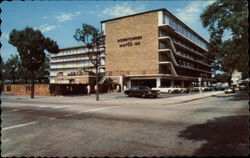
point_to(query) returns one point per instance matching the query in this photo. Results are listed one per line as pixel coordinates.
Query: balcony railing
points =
(192, 59)
(72, 60)
(169, 28)
(74, 53)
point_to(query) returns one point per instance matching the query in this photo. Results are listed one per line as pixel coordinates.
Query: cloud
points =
(122, 10)
(67, 16)
(46, 28)
(192, 11)
(92, 12)
(45, 17)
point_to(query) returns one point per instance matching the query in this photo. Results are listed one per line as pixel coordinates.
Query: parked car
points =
(229, 90)
(142, 91)
(176, 91)
(168, 90)
(243, 87)
(195, 89)
(185, 90)
(218, 88)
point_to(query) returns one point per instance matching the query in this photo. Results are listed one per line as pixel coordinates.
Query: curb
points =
(198, 98)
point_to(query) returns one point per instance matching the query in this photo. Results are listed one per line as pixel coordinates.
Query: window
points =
(27, 88)
(8, 88)
(166, 19)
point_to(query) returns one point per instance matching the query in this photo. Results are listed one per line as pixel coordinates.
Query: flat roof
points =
(161, 9)
(133, 15)
(75, 47)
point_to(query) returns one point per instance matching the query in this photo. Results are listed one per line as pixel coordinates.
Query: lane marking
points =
(57, 107)
(97, 109)
(42, 106)
(53, 118)
(14, 110)
(20, 125)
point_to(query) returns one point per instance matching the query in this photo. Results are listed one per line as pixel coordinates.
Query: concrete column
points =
(182, 84)
(205, 84)
(129, 83)
(172, 83)
(88, 89)
(158, 82)
(121, 83)
(209, 83)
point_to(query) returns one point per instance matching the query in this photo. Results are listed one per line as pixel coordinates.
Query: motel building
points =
(155, 49)
(151, 48)
(71, 71)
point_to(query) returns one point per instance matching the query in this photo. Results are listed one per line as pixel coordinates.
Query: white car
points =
(168, 90)
(229, 90)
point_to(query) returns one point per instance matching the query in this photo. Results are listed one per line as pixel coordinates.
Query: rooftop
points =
(156, 10)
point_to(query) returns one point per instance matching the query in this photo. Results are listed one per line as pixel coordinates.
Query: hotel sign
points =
(130, 41)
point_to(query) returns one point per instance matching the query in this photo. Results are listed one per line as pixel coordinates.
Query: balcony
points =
(168, 28)
(70, 67)
(66, 60)
(179, 44)
(60, 54)
(186, 47)
(192, 68)
(164, 69)
(191, 59)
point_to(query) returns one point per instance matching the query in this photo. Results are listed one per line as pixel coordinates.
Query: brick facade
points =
(24, 89)
(135, 59)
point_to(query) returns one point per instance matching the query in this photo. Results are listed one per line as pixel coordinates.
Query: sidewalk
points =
(165, 101)
(107, 99)
(182, 99)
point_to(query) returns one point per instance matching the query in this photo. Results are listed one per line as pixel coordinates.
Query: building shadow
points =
(224, 136)
(240, 95)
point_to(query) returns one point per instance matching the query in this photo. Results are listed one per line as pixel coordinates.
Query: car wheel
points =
(155, 96)
(130, 95)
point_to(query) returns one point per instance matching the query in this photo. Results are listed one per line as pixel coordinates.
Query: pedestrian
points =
(88, 89)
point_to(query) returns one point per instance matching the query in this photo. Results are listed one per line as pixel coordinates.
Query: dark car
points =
(218, 88)
(243, 87)
(142, 91)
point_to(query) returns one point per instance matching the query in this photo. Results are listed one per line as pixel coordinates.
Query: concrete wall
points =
(24, 89)
(135, 59)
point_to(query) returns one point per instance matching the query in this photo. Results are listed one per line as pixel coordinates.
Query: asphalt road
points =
(71, 126)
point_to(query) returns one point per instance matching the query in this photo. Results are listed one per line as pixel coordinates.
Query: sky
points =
(59, 19)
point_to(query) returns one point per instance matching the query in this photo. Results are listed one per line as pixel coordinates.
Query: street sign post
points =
(200, 90)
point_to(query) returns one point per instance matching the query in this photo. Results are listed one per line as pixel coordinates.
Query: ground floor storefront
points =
(119, 84)
(127, 82)
(52, 89)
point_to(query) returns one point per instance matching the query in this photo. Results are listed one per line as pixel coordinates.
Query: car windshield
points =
(144, 88)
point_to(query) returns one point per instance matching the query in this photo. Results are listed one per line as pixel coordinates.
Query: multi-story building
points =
(156, 49)
(71, 70)
(152, 48)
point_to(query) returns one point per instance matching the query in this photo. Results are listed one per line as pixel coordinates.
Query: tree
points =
(109, 82)
(227, 16)
(225, 77)
(1, 76)
(11, 68)
(23, 73)
(43, 72)
(31, 45)
(1, 68)
(94, 41)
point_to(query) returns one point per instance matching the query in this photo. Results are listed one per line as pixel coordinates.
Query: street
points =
(122, 126)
